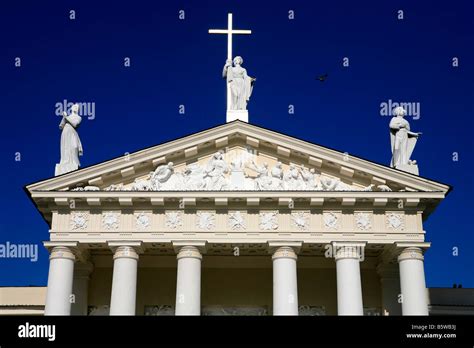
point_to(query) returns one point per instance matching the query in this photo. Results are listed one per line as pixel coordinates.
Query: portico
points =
(237, 219)
(187, 268)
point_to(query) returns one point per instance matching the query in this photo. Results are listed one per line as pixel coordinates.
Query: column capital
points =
(125, 252)
(79, 250)
(58, 250)
(189, 251)
(62, 252)
(200, 245)
(273, 246)
(411, 253)
(284, 252)
(348, 250)
(137, 246)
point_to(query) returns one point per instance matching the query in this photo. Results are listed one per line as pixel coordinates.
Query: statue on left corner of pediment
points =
(71, 146)
(402, 141)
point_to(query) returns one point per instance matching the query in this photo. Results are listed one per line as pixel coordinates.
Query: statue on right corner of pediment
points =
(403, 142)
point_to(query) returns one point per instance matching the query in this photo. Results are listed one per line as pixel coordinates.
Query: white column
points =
(188, 285)
(124, 281)
(412, 282)
(349, 287)
(80, 288)
(61, 269)
(285, 288)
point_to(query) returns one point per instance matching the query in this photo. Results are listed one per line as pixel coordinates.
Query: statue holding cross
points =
(239, 84)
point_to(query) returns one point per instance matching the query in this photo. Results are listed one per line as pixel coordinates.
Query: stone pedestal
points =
(242, 115)
(409, 168)
(60, 278)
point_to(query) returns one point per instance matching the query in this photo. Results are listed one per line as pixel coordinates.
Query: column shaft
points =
(124, 281)
(349, 287)
(412, 282)
(285, 288)
(58, 294)
(188, 285)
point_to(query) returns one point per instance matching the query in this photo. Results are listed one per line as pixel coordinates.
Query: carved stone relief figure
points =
(262, 180)
(161, 175)
(194, 177)
(214, 174)
(276, 179)
(309, 178)
(142, 184)
(335, 184)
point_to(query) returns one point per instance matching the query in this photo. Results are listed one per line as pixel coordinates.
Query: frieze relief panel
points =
(268, 220)
(205, 220)
(79, 220)
(142, 220)
(174, 219)
(312, 221)
(363, 221)
(301, 220)
(332, 221)
(237, 220)
(395, 221)
(110, 220)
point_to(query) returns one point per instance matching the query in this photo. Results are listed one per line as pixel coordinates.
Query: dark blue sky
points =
(176, 62)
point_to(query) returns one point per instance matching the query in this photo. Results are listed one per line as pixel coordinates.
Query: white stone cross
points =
(229, 31)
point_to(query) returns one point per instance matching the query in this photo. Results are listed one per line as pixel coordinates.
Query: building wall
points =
(28, 300)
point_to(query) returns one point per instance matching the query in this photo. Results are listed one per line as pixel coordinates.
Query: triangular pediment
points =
(253, 147)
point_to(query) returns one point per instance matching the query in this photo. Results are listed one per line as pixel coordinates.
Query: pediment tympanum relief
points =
(238, 168)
